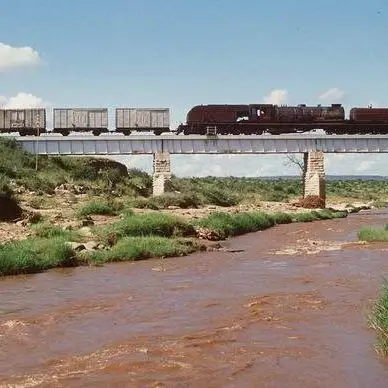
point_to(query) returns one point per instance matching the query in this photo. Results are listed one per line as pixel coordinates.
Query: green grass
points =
(373, 234)
(147, 224)
(183, 201)
(140, 248)
(379, 321)
(98, 208)
(46, 230)
(35, 255)
(226, 225)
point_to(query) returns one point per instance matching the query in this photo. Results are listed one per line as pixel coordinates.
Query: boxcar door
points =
(80, 119)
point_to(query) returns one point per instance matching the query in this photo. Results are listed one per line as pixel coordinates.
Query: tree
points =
(293, 160)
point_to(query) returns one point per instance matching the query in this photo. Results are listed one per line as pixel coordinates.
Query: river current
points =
(255, 318)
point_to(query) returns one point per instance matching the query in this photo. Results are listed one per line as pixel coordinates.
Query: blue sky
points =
(179, 53)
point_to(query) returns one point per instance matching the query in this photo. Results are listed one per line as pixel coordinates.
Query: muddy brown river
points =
(256, 318)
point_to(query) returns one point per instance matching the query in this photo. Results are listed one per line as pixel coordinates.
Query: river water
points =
(216, 319)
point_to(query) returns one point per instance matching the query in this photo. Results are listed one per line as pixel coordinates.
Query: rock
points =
(85, 231)
(87, 222)
(173, 207)
(91, 245)
(9, 209)
(75, 246)
(112, 238)
(35, 217)
(207, 234)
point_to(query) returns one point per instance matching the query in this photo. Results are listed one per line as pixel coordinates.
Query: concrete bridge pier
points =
(314, 175)
(162, 172)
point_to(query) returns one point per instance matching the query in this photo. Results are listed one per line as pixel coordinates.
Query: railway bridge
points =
(313, 147)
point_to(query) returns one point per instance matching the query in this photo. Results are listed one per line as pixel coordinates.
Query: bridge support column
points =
(314, 175)
(162, 172)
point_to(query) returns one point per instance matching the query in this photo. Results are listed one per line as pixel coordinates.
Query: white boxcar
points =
(24, 121)
(143, 119)
(80, 119)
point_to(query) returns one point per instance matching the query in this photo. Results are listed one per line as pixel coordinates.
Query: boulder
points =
(9, 209)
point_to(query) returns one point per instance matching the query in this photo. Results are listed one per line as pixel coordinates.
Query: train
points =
(208, 120)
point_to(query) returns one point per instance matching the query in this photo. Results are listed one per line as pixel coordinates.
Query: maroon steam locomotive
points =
(273, 119)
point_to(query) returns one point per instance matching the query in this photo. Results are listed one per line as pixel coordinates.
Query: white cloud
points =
(22, 100)
(277, 97)
(13, 57)
(332, 95)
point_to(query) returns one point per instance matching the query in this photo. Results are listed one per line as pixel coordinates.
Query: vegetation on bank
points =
(368, 233)
(94, 177)
(379, 321)
(134, 237)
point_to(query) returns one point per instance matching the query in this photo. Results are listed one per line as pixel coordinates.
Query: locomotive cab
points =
(261, 112)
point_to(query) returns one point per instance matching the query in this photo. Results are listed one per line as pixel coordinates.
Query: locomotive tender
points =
(249, 119)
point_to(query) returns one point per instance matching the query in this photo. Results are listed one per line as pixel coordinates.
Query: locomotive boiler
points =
(259, 118)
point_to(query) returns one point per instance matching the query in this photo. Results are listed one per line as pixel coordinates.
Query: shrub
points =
(220, 197)
(184, 201)
(277, 196)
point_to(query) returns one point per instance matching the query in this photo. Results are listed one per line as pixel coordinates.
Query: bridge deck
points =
(179, 144)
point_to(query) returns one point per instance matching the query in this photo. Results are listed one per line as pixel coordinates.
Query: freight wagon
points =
(142, 119)
(24, 121)
(369, 115)
(68, 120)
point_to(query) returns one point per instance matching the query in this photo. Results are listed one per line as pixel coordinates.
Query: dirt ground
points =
(59, 209)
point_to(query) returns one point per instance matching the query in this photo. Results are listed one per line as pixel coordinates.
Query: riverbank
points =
(136, 237)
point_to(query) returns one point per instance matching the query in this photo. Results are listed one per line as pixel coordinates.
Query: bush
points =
(139, 248)
(35, 255)
(220, 197)
(183, 201)
(277, 196)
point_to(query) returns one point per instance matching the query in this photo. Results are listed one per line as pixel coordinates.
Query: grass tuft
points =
(148, 224)
(379, 321)
(140, 248)
(373, 234)
(98, 208)
(35, 255)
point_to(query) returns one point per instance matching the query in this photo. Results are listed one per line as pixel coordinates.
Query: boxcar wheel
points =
(96, 132)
